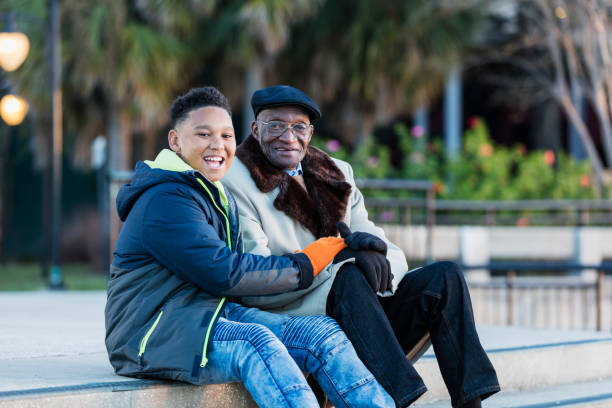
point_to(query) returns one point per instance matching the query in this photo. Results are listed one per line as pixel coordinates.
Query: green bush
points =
(483, 170)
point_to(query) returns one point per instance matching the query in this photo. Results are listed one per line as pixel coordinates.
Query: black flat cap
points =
(283, 95)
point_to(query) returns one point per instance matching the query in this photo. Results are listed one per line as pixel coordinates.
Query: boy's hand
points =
(322, 252)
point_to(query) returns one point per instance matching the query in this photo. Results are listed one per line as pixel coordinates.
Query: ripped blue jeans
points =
(268, 352)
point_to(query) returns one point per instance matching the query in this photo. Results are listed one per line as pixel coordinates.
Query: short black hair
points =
(197, 98)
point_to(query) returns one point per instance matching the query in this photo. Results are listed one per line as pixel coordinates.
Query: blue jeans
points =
(268, 353)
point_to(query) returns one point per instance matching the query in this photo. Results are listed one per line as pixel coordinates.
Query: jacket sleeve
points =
(254, 238)
(359, 221)
(177, 234)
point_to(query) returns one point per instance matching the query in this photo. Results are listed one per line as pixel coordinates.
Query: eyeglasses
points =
(278, 127)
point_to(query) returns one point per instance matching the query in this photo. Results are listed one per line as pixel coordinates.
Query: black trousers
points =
(432, 299)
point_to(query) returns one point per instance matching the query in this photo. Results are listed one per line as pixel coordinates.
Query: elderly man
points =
(289, 194)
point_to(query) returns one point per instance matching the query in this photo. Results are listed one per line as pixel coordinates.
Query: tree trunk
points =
(120, 153)
(601, 109)
(252, 82)
(355, 123)
(120, 137)
(583, 132)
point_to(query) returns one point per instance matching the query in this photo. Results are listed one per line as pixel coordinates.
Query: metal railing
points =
(499, 212)
(554, 298)
(428, 202)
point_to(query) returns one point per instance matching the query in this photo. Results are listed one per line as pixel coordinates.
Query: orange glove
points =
(322, 251)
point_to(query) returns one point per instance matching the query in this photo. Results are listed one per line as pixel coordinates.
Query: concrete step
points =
(52, 354)
(587, 394)
(533, 358)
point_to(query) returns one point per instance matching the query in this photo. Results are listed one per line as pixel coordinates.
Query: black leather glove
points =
(361, 240)
(374, 266)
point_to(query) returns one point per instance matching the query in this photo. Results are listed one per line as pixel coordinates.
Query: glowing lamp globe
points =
(14, 48)
(13, 109)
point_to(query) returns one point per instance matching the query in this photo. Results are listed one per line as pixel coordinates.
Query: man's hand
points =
(361, 240)
(374, 266)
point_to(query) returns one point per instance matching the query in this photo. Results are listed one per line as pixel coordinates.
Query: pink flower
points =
(373, 161)
(332, 145)
(417, 131)
(522, 222)
(549, 157)
(473, 122)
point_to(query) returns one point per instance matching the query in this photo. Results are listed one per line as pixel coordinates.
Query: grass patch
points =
(27, 276)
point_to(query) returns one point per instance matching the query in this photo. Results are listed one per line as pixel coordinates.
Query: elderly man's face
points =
(284, 150)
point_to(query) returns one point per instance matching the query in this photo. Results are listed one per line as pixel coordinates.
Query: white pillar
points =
(587, 250)
(474, 250)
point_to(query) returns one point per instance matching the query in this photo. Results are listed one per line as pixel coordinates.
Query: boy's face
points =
(206, 141)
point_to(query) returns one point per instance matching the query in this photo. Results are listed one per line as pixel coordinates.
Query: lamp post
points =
(55, 281)
(14, 48)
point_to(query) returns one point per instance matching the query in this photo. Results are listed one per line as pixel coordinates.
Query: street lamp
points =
(13, 109)
(14, 48)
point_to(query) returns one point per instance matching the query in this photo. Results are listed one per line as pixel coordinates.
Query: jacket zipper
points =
(208, 330)
(145, 339)
(220, 305)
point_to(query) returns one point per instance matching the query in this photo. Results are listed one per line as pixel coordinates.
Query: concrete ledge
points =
(131, 394)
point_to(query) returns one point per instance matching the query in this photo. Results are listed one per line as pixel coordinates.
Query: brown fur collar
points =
(322, 207)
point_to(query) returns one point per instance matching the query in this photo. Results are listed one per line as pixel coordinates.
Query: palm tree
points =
(132, 69)
(251, 34)
(119, 73)
(372, 59)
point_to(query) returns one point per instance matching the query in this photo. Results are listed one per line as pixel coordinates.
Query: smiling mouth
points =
(214, 162)
(285, 150)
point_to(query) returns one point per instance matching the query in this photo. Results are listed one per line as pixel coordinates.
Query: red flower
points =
(485, 150)
(473, 122)
(549, 157)
(438, 187)
(522, 222)
(585, 181)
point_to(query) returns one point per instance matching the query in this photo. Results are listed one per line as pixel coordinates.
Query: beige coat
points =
(269, 231)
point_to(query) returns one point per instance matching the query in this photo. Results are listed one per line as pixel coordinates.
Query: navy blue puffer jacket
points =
(177, 258)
